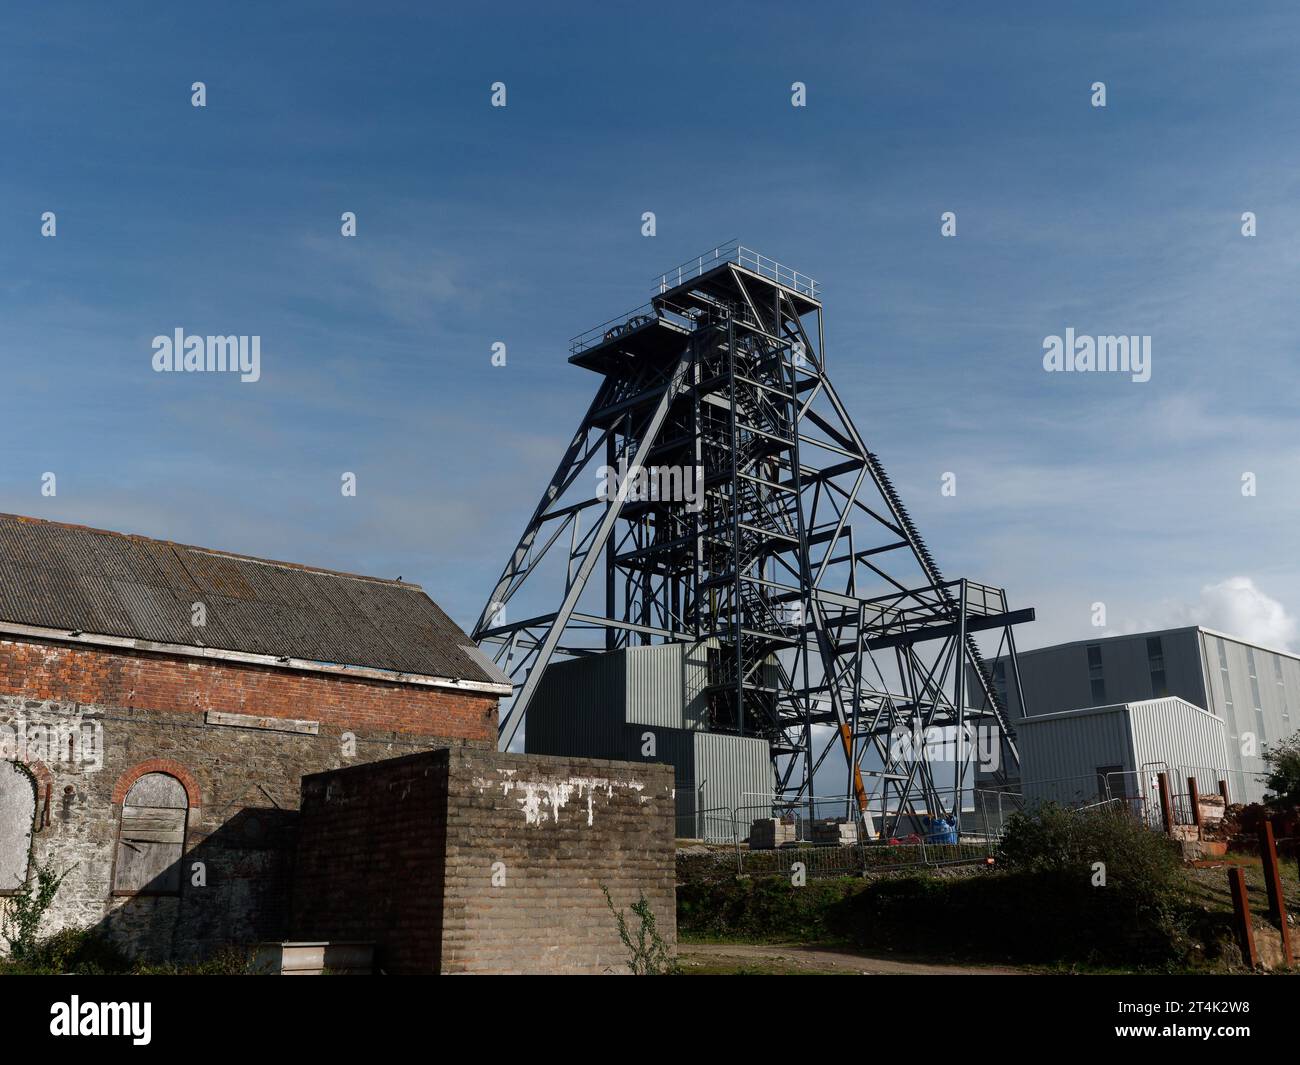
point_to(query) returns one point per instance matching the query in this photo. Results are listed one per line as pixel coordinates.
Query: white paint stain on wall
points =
(542, 800)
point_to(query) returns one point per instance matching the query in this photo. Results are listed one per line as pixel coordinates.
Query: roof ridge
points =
(27, 519)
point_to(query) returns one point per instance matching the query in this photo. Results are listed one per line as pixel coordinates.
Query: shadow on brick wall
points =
(234, 891)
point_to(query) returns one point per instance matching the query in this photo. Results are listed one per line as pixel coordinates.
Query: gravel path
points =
(794, 959)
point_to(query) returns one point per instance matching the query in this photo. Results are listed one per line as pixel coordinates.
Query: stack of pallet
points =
(836, 831)
(768, 833)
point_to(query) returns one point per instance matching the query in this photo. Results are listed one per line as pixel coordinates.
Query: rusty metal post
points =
(1241, 911)
(1273, 882)
(1166, 805)
(1223, 790)
(1268, 858)
(1194, 797)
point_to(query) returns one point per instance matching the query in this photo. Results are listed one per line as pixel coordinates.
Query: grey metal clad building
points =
(1114, 751)
(1254, 690)
(647, 704)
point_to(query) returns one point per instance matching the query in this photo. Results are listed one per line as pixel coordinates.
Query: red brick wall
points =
(47, 670)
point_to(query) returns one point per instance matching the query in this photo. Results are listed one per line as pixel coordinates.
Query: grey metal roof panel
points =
(110, 604)
(445, 641)
(88, 580)
(364, 635)
(221, 624)
(152, 612)
(217, 573)
(170, 567)
(111, 560)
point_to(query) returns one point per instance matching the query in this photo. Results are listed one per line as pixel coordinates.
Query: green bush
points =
(90, 952)
(1283, 760)
(1044, 917)
(72, 950)
(760, 908)
(1056, 839)
(1044, 904)
(1021, 916)
(23, 911)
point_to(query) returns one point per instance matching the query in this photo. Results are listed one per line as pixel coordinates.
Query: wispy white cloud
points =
(1236, 606)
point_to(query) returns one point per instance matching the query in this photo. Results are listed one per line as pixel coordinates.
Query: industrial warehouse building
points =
(1148, 697)
(160, 705)
(1118, 748)
(649, 704)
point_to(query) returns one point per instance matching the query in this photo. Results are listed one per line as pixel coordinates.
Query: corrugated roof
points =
(78, 579)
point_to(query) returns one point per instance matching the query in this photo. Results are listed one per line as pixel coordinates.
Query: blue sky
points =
(522, 225)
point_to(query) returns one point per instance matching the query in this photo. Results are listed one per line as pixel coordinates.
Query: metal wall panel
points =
(1251, 724)
(1189, 740)
(671, 747)
(735, 773)
(578, 709)
(654, 677)
(1060, 754)
(714, 774)
(623, 705)
(666, 684)
(1186, 673)
(1057, 678)
(695, 679)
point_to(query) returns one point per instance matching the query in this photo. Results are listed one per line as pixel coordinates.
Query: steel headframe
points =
(729, 500)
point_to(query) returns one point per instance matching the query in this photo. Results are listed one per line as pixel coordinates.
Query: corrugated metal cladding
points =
(631, 705)
(661, 685)
(578, 708)
(666, 682)
(1058, 678)
(1189, 740)
(695, 678)
(88, 580)
(1062, 756)
(733, 773)
(654, 684)
(1257, 693)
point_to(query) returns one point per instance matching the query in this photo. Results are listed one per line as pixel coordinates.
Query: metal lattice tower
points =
(795, 560)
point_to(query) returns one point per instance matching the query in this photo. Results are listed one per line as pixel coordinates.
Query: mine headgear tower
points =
(792, 559)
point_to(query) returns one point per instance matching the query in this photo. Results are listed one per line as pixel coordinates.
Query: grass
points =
(1209, 887)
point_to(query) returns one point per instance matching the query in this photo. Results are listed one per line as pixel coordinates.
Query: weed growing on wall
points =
(648, 954)
(21, 922)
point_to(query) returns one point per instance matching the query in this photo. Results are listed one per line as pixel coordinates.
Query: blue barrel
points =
(940, 830)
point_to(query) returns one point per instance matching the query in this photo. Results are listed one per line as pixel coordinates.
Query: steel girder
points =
(794, 557)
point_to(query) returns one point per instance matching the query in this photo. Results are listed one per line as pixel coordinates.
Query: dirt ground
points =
(793, 959)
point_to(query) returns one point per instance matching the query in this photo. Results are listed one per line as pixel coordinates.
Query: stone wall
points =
(242, 778)
(464, 861)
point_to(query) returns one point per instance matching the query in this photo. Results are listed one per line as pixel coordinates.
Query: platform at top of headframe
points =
(685, 296)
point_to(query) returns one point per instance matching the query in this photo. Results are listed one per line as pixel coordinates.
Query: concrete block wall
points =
(465, 861)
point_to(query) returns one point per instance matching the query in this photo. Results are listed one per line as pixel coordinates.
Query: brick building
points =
(159, 705)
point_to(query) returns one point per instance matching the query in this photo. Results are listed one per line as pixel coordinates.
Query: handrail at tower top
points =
(735, 252)
(687, 319)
